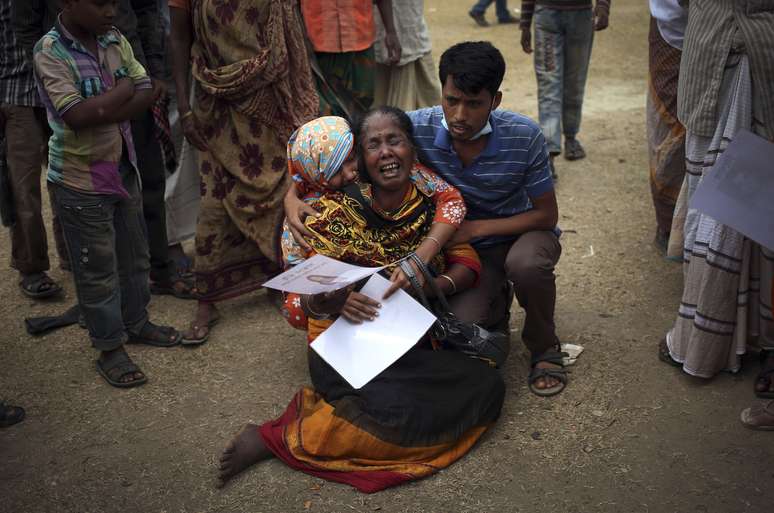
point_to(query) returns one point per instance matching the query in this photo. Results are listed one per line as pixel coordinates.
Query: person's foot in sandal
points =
(244, 450)
(10, 415)
(573, 149)
(153, 335)
(548, 376)
(38, 285)
(181, 288)
(199, 330)
(665, 356)
(760, 416)
(119, 370)
(764, 381)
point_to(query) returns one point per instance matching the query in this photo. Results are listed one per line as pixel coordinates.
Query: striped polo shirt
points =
(85, 160)
(499, 182)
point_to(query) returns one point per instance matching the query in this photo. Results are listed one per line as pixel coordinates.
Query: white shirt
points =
(414, 37)
(671, 19)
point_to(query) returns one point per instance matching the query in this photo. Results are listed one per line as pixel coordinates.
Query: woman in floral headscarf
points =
(427, 409)
(253, 87)
(322, 158)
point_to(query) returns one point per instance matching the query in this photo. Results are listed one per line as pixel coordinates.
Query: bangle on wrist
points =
(186, 115)
(437, 242)
(449, 278)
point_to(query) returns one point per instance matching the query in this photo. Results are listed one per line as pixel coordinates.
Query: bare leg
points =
(244, 450)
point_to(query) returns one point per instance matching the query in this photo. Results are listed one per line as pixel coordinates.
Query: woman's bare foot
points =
(245, 449)
(199, 330)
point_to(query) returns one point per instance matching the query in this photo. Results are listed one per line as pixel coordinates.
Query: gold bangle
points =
(185, 116)
(437, 242)
(454, 285)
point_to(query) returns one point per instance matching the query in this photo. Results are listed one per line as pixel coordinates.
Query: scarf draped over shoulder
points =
(252, 55)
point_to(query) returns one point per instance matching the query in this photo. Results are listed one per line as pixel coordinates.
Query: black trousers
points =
(152, 172)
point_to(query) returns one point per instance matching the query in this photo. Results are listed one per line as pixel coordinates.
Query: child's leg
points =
(87, 226)
(133, 257)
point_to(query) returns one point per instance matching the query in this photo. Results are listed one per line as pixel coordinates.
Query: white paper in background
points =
(359, 352)
(739, 192)
(319, 274)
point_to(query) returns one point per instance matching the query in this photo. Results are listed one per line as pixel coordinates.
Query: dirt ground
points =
(629, 433)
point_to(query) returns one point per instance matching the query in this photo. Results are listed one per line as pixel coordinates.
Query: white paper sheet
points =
(359, 352)
(739, 192)
(319, 274)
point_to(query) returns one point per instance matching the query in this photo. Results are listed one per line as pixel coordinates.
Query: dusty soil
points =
(629, 433)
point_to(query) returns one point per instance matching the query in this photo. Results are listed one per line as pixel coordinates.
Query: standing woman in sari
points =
(252, 88)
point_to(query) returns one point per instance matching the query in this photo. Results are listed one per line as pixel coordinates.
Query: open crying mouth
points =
(390, 169)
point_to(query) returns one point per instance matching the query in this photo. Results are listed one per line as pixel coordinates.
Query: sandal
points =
(573, 149)
(765, 376)
(760, 417)
(184, 267)
(10, 415)
(157, 336)
(116, 366)
(38, 286)
(195, 329)
(550, 356)
(665, 356)
(180, 287)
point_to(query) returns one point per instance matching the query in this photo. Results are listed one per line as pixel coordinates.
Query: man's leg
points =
(579, 36)
(549, 41)
(481, 5)
(484, 304)
(477, 12)
(503, 14)
(151, 165)
(88, 228)
(26, 149)
(530, 266)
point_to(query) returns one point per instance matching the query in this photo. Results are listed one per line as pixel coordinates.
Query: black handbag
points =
(469, 338)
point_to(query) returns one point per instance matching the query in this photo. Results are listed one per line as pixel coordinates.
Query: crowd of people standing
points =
(331, 123)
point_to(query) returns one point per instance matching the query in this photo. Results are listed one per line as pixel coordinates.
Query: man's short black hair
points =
(474, 66)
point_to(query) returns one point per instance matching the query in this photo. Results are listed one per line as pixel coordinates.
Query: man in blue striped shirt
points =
(499, 162)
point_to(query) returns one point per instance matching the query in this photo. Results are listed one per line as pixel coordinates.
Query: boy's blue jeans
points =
(501, 7)
(107, 243)
(563, 41)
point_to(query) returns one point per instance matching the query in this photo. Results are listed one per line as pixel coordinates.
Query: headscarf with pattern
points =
(317, 150)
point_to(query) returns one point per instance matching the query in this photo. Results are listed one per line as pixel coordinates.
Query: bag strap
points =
(405, 266)
(439, 330)
(431, 281)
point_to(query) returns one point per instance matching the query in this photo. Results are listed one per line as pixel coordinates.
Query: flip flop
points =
(38, 286)
(759, 417)
(10, 415)
(193, 341)
(157, 336)
(188, 291)
(665, 356)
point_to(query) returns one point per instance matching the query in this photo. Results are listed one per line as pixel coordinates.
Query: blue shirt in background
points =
(512, 168)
